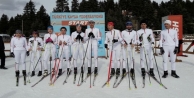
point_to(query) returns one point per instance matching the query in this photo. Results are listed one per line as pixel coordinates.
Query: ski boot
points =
(124, 72)
(96, 71)
(33, 73)
(173, 74)
(112, 71)
(17, 77)
(60, 72)
(82, 74)
(89, 71)
(68, 71)
(45, 72)
(143, 72)
(117, 72)
(24, 74)
(39, 73)
(75, 70)
(151, 72)
(165, 74)
(17, 73)
(132, 73)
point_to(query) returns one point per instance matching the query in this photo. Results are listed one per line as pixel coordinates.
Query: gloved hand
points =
(152, 44)
(60, 42)
(27, 53)
(175, 50)
(49, 40)
(106, 46)
(31, 41)
(91, 35)
(140, 44)
(115, 40)
(65, 43)
(141, 38)
(162, 50)
(39, 44)
(12, 54)
(81, 38)
(78, 37)
(149, 38)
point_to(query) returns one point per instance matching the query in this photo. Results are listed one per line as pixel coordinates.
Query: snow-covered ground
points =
(177, 88)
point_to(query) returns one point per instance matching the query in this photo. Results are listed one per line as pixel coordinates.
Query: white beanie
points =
(168, 22)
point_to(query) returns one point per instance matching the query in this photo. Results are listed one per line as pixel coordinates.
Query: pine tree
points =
(18, 22)
(84, 6)
(4, 24)
(93, 5)
(12, 28)
(101, 6)
(28, 17)
(61, 6)
(75, 6)
(43, 18)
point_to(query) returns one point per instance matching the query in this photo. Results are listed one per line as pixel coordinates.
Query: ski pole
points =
(58, 65)
(83, 63)
(133, 65)
(157, 67)
(91, 63)
(38, 59)
(146, 60)
(110, 61)
(128, 68)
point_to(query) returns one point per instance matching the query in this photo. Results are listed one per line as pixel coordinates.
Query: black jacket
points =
(2, 47)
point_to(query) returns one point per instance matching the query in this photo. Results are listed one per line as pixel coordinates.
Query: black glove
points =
(106, 46)
(115, 40)
(140, 44)
(141, 38)
(31, 41)
(91, 35)
(27, 53)
(81, 38)
(161, 50)
(176, 50)
(78, 37)
(39, 44)
(12, 54)
(149, 38)
(152, 42)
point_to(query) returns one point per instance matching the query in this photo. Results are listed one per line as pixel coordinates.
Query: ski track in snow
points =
(177, 88)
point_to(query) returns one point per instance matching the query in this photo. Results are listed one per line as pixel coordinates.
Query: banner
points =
(68, 19)
(177, 24)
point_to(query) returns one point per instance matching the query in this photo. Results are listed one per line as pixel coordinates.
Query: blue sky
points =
(14, 7)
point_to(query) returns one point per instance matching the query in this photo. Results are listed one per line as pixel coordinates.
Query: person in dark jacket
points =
(2, 54)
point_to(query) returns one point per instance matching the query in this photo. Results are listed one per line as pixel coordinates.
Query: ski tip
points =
(129, 88)
(150, 84)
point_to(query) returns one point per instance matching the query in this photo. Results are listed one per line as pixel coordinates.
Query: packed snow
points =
(177, 88)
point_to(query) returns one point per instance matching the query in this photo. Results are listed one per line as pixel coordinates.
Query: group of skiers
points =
(120, 45)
